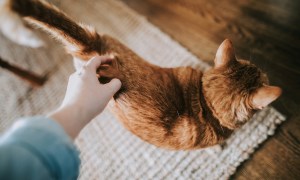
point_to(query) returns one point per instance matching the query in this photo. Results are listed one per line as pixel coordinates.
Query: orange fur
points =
(173, 108)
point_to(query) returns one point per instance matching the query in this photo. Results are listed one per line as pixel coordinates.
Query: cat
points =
(173, 108)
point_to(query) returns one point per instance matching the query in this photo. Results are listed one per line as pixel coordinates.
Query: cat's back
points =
(159, 106)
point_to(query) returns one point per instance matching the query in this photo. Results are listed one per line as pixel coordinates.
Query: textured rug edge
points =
(278, 118)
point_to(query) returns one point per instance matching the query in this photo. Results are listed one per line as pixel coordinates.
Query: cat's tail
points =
(81, 41)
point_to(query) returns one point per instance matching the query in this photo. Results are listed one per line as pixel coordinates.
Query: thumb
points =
(112, 87)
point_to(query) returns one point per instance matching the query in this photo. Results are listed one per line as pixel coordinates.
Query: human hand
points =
(85, 97)
(84, 91)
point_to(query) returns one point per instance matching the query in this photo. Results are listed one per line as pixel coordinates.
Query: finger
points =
(73, 75)
(95, 62)
(112, 87)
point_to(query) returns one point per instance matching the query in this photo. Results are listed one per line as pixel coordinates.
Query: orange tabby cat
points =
(173, 108)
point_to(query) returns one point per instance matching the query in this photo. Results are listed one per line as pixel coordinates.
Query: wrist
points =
(72, 118)
(76, 112)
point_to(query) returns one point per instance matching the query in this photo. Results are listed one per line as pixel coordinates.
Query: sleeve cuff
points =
(46, 139)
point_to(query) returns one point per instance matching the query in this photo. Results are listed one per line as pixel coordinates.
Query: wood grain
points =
(264, 32)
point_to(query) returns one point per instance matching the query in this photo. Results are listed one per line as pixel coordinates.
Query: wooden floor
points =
(264, 32)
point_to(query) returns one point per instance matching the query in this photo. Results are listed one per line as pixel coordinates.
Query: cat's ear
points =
(265, 95)
(225, 54)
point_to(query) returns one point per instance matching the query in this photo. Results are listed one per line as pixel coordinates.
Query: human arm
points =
(85, 97)
(42, 147)
(37, 148)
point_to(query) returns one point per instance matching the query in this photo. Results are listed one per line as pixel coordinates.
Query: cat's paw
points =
(14, 28)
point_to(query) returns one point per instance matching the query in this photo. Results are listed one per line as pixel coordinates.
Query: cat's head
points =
(234, 89)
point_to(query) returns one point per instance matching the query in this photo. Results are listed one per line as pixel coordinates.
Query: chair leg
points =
(30, 77)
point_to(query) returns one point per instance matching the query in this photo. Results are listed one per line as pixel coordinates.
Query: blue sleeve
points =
(38, 148)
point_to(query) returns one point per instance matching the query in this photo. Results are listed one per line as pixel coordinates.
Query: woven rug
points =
(108, 151)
